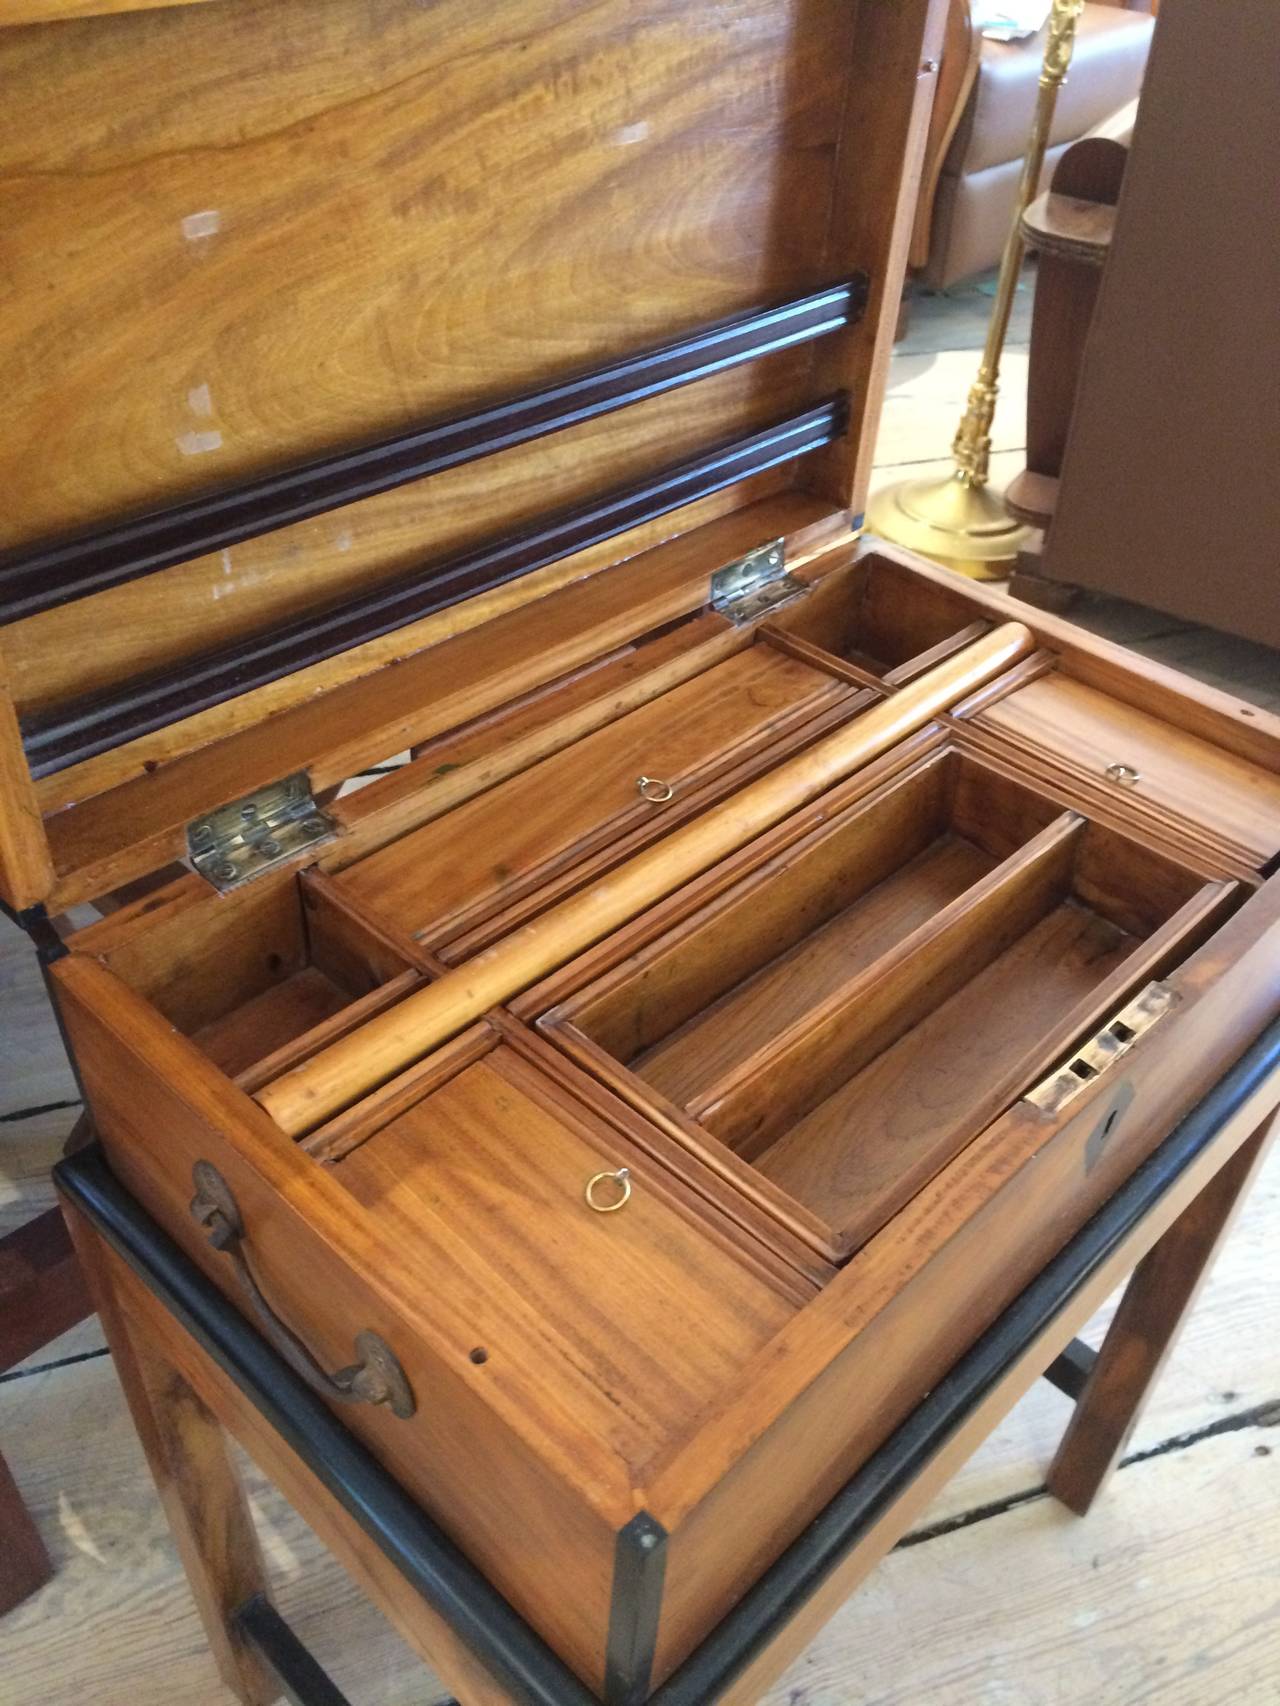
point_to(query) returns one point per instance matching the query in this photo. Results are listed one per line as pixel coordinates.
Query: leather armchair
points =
(982, 115)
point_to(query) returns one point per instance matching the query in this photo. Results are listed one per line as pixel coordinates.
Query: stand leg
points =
(24, 1563)
(198, 1483)
(1155, 1304)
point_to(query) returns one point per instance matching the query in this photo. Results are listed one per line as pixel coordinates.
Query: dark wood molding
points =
(80, 728)
(60, 571)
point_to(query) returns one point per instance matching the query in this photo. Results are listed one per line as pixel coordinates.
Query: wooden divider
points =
(355, 1064)
(767, 1093)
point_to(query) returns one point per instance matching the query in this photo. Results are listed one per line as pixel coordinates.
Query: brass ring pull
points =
(376, 1379)
(1124, 775)
(622, 1179)
(655, 791)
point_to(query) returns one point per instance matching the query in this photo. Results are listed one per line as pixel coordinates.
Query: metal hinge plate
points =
(755, 584)
(241, 840)
(1101, 1052)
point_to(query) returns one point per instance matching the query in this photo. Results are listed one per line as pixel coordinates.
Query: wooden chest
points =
(774, 949)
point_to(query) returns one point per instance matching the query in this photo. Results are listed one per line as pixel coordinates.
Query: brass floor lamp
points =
(958, 520)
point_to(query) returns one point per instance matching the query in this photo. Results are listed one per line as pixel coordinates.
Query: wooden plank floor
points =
(1170, 1591)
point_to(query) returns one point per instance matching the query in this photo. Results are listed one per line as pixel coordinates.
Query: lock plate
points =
(248, 836)
(1101, 1052)
(755, 584)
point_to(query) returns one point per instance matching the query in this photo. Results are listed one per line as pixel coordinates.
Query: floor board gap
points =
(1259, 1416)
(46, 1367)
(16, 1114)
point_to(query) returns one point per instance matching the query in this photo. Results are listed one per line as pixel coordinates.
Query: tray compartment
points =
(460, 881)
(862, 620)
(698, 1002)
(262, 977)
(1168, 774)
(840, 1024)
(495, 1158)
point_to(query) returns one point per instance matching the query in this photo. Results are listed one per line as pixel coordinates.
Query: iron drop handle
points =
(376, 1379)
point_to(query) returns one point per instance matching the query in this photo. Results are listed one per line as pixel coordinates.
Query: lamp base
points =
(963, 527)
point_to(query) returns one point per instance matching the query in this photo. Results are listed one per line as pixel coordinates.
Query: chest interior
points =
(386, 381)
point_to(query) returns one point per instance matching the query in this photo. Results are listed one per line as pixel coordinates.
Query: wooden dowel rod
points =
(361, 1061)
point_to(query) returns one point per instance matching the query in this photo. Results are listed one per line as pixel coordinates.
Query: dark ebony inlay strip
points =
(81, 728)
(639, 1572)
(40, 578)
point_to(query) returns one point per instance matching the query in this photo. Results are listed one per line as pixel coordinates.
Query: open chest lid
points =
(337, 328)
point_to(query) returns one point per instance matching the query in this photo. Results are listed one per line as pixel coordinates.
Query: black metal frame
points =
(481, 1618)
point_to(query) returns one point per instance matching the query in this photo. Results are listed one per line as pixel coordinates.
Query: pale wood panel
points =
(33, 1062)
(1167, 1592)
(28, 1150)
(926, 398)
(1001, 1594)
(957, 319)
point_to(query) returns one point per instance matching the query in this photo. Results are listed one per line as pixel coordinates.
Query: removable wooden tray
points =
(849, 1016)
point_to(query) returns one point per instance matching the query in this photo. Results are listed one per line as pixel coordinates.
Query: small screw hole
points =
(479, 1355)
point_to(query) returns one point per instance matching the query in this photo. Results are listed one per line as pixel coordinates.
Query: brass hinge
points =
(241, 840)
(755, 584)
(1101, 1052)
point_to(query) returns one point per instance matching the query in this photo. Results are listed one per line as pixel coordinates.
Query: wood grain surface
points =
(329, 220)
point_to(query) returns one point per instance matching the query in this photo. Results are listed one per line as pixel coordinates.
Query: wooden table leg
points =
(24, 1563)
(1156, 1302)
(198, 1483)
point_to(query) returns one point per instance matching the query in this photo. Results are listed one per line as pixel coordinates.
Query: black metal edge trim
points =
(639, 1572)
(81, 728)
(302, 1679)
(435, 1568)
(37, 924)
(423, 1553)
(60, 571)
(767, 1607)
(1070, 1371)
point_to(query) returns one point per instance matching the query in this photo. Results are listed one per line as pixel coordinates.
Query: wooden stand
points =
(191, 1367)
(42, 1295)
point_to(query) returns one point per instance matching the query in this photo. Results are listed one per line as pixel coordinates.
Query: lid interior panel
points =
(250, 237)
